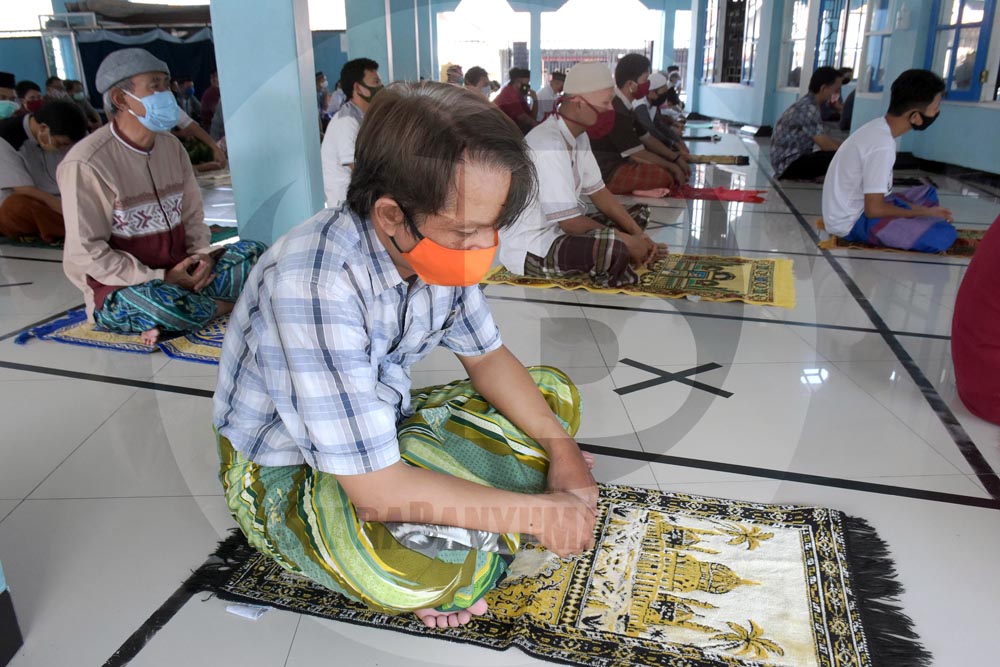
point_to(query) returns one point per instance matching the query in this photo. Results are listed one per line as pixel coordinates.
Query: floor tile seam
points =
(107, 379)
(900, 420)
(49, 318)
(760, 473)
(291, 643)
(963, 441)
(80, 444)
(717, 316)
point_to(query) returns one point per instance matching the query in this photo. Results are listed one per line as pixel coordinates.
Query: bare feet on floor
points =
(150, 337)
(588, 459)
(433, 618)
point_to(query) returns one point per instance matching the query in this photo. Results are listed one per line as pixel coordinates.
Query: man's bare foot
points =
(150, 337)
(433, 618)
(588, 458)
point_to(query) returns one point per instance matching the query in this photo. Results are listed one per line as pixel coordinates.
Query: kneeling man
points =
(408, 501)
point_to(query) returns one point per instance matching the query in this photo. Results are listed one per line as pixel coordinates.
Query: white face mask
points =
(486, 90)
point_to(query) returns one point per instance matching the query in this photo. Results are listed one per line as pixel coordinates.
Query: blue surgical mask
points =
(79, 96)
(161, 111)
(7, 108)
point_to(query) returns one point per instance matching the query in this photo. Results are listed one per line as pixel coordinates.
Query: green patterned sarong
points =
(302, 518)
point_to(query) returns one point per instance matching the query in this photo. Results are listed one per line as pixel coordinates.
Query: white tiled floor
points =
(108, 494)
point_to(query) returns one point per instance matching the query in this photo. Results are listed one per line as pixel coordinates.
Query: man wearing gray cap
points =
(136, 242)
(554, 237)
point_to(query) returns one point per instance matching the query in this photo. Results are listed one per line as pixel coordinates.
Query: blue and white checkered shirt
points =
(315, 365)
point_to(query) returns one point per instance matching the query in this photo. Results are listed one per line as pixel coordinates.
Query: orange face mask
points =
(437, 265)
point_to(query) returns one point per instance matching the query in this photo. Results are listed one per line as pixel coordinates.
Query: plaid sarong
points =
(158, 304)
(303, 519)
(598, 254)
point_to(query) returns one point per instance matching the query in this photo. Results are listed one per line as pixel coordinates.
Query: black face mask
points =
(926, 121)
(654, 100)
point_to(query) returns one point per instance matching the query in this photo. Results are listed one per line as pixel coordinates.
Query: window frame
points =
(974, 93)
(884, 36)
(751, 40)
(709, 75)
(788, 44)
(843, 22)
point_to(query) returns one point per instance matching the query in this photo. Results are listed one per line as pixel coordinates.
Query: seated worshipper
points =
(209, 101)
(187, 128)
(554, 237)
(975, 330)
(830, 111)
(648, 116)
(189, 102)
(411, 509)
(856, 201)
(136, 242)
(624, 152)
(801, 149)
(518, 100)
(55, 89)
(548, 95)
(847, 115)
(360, 81)
(478, 81)
(31, 148)
(8, 96)
(455, 76)
(30, 96)
(75, 91)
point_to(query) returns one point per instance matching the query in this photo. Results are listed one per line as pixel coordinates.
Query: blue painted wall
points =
(404, 40)
(23, 57)
(327, 54)
(366, 36)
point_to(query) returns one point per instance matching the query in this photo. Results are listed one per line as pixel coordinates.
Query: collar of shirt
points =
(564, 131)
(620, 95)
(27, 128)
(377, 259)
(128, 144)
(349, 108)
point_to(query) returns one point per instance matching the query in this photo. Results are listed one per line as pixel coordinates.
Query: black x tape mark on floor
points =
(662, 377)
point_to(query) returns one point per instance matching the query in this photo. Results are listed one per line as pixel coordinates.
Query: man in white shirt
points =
(359, 79)
(554, 237)
(548, 95)
(857, 205)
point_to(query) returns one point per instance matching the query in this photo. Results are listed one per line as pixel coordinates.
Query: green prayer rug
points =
(675, 580)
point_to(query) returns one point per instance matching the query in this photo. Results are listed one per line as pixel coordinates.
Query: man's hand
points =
(639, 251)
(657, 250)
(219, 156)
(676, 173)
(938, 212)
(192, 273)
(567, 525)
(570, 473)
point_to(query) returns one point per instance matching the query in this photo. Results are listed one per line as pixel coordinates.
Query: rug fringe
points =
(892, 640)
(43, 330)
(216, 571)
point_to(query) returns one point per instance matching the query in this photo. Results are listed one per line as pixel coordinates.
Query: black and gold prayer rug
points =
(675, 580)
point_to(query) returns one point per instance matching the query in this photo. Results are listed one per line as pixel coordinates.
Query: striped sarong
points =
(158, 304)
(303, 519)
(920, 234)
(598, 254)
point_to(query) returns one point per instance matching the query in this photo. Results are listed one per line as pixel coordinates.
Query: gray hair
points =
(109, 107)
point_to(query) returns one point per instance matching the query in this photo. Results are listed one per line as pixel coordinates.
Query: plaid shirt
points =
(315, 365)
(793, 135)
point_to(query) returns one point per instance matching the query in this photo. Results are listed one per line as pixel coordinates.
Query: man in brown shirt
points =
(136, 242)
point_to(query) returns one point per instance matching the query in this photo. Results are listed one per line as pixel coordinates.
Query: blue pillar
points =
(535, 50)
(369, 34)
(264, 55)
(667, 40)
(403, 40)
(425, 40)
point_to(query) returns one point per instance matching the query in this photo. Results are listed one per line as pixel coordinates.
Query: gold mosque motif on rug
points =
(675, 580)
(761, 282)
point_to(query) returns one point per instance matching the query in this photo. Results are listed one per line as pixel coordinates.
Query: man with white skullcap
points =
(649, 118)
(555, 237)
(136, 241)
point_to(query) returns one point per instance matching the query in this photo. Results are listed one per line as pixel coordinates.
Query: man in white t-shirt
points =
(554, 237)
(549, 93)
(857, 205)
(360, 81)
